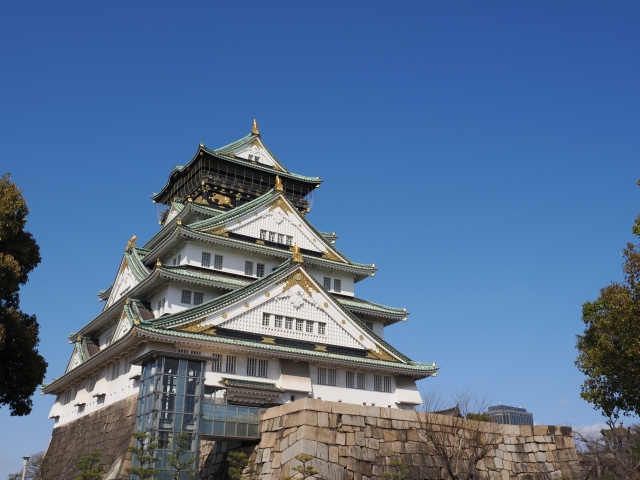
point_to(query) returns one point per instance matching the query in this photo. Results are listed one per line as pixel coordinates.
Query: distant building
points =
(510, 415)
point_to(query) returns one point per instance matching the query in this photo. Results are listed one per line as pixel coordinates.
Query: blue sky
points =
(483, 154)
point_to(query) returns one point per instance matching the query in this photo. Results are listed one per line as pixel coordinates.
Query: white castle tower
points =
(237, 304)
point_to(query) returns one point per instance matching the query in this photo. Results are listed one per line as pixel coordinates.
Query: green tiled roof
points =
(237, 383)
(134, 259)
(410, 365)
(238, 212)
(236, 296)
(367, 305)
(212, 276)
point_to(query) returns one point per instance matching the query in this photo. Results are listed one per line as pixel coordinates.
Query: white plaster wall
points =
(294, 303)
(347, 287)
(113, 390)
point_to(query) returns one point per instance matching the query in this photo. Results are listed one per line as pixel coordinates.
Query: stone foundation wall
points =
(359, 442)
(108, 430)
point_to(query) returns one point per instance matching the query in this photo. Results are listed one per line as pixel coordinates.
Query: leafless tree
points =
(458, 445)
(612, 454)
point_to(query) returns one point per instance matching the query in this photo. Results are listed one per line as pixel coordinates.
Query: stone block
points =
(345, 408)
(354, 420)
(302, 417)
(360, 439)
(353, 464)
(308, 447)
(323, 419)
(369, 455)
(275, 462)
(266, 453)
(372, 443)
(328, 470)
(323, 451)
(333, 454)
(314, 404)
(383, 423)
(398, 447)
(343, 451)
(390, 435)
(373, 421)
(540, 430)
(355, 452)
(538, 438)
(351, 439)
(386, 449)
(346, 428)
(341, 438)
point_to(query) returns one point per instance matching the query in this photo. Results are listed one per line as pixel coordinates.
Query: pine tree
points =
(90, 468)
(143, 451)
(177, 459)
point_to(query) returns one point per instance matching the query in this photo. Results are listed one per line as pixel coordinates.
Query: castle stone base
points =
(108, 430)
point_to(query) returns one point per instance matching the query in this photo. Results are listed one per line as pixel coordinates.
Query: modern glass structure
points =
(510, 415)
(173, 399)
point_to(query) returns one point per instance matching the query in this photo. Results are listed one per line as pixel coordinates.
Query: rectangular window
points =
(265, 319)
(272, 237)
(198, 298)
(262, 368)
(248, 268)
(369, 325)
(299, 325)
(327, 376)
(337, 285)
(252, 367)
(327, 283)
(288, 323)
(332, 377)
(217, 262)
(382, 383)
(260, 269)
(174, 260)
(231, 364)
(216, 362)
(159, 305)
(289, 240)
(351, 380)
(360, 381)
(263, 234)
(322, 376)
(163, 304)
(278, 321)
(309, 326)
(280, 238)
(322, 328)
(179, 259)
(186, 297)
(206, 259)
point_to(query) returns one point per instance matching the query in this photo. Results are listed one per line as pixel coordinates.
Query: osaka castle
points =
(237, 304)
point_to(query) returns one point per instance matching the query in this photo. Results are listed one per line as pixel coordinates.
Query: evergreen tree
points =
(143, 451)
(608, 349)
(89, 466)
(22, 368)
(179, 460)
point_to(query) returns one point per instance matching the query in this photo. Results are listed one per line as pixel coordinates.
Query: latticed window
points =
(369, 325)
(217, 262)
(198, 298)
(263, 234)
(186, 297)
(332, 377)
(260, 269)
(289, 240)
(262, 368)
(327, 376)
(322, 328)
(382, 383)
(248, 268)
(231, 364)
(288, 323)
(265, 319)
(216, 362)
(272, 236)
(350, 377)
(252, 367)
(327, 283)
(278, 321)
(309, 326)
(337, 285)
(206, 259)
(360, 381)
(299, 325)
(280, 238)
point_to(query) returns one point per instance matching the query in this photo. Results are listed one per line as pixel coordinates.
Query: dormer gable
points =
(287, 304)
